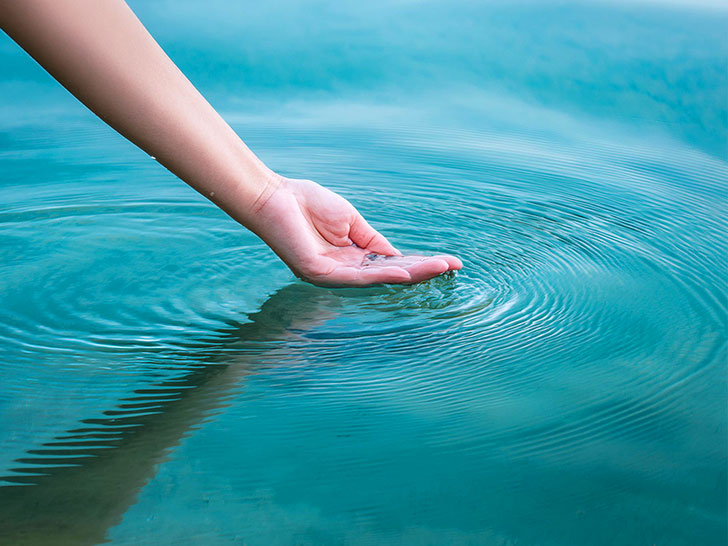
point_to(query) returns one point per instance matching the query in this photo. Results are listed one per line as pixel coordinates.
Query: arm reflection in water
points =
(114, 457)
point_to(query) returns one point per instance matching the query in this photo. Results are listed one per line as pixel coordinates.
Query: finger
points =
(453, 262)
(356, 276)
(427, 269)
(365, 236)
(385, 275)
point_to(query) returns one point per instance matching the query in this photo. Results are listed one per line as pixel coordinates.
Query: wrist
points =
(247, 193)
(269, 183)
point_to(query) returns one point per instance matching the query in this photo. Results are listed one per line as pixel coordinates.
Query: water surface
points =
(166, 380)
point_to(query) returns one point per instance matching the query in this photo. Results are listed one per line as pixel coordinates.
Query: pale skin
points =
(102, 53)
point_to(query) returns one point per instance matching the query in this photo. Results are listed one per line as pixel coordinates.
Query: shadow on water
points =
(73, 489)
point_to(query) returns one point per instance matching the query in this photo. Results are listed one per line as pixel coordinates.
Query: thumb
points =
(365, 236)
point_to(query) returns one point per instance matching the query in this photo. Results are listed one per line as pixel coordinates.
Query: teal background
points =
(166, 380)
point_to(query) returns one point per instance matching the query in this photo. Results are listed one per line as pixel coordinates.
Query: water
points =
(167, 381)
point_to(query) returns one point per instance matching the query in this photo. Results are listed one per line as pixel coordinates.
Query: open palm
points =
(325, 241)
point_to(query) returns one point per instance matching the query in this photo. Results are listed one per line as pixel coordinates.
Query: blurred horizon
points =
(605, 62)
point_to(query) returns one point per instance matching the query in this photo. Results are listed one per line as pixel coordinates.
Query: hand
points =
(105, 56)
(324, 240)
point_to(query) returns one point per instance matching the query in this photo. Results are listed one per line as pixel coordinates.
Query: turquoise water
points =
(165, 380)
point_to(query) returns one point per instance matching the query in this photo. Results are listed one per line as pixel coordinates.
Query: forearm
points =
(102, 54)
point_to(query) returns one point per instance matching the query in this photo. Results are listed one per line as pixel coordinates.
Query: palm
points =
(324, 240)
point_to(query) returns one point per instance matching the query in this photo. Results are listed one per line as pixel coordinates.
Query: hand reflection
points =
(73, 489)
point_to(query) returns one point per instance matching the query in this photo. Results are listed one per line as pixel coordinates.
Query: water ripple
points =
(591, 305)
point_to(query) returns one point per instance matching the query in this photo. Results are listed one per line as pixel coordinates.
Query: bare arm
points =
(101, 53)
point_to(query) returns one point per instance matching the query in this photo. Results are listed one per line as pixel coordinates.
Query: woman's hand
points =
(325, 241)
(104, 55)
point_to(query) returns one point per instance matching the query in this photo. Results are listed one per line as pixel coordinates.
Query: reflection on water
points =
(567, 386)
(97, 470)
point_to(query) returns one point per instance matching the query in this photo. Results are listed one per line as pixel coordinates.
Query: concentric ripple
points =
(585, 334)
